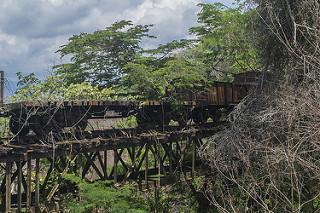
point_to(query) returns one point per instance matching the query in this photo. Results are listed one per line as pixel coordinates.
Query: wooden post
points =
(19, 200)
(115, 165)
(37, 189)
(193, 158)
(155, 156)
(170, 159)
(29, 198)
(159, 163)
(133, 171)
(147, 165)
(105, 166)
(8, 186)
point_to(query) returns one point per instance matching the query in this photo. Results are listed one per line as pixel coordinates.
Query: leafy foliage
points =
(225, 40)
(153, 83)
(30, 88)
(99, 57)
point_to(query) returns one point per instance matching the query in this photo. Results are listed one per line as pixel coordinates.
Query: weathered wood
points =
(88, 163)
(29, 189)
(13, 177)
(157, 149)
(91, 163)
(146, 165)
(115, 165)
(121, 160)
(167, 150)
(157, 158)
(24, 182)
(8, 187)
(37, 185)
(138, 168)
(19, 182)
(105, 165)
(133, 160)
(194, 150)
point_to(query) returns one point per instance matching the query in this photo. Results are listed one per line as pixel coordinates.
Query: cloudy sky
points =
(31, 31)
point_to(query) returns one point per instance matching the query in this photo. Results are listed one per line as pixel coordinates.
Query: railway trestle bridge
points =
(29, 164)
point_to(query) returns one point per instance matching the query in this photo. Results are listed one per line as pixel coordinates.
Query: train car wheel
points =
(82, 124)
(200, 116)
(42, 125)
(182, 118)
(142, 119)
(18, 126)
(163, 120)
(200, 119)
(182, 122)
(216, 116)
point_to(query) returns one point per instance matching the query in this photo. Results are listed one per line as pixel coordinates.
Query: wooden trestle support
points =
(28, 170)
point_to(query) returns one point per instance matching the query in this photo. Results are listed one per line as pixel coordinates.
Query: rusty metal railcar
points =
(200, 105)
(196, 106)
(43, 117)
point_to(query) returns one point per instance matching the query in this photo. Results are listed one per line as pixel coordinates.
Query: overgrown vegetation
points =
(267, 161)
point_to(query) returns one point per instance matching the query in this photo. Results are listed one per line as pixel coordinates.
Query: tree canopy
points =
(99, 57)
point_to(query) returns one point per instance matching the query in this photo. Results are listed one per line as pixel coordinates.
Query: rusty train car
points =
(196, 106)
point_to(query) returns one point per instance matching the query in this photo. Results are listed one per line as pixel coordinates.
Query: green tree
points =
(31, 88)
(224, 40)
(155, 83)
(99, 57)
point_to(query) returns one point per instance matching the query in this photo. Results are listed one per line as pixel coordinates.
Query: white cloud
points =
(7, 39)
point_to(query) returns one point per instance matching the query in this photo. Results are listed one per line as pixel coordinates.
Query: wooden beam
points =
(8, 186)
(105, 164)
(115, 165)
(194, 150)
(100, 161)
(87, 166)
(97, 170)
(138, 168)
(133, 167)
(170, 154)
(29, 173)
(147, 165)
(37, 185)
(121, 160)
(19, 182)
(13, 177)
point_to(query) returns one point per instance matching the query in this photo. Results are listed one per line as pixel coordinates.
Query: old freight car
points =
(43, 117)
(196, 106)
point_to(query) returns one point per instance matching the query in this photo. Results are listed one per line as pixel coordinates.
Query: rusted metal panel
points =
(247, 78)
(78, 103)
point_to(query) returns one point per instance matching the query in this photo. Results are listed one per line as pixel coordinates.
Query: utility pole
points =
(1, 87)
